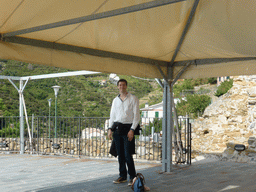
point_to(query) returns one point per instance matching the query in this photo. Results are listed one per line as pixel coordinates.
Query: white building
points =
(153, 111)
(222, 79)
(149, 113)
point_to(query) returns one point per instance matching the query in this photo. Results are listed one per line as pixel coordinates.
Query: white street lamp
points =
(56, 89)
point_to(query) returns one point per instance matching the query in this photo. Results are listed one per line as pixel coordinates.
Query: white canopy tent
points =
(132, 37)
(168, 39)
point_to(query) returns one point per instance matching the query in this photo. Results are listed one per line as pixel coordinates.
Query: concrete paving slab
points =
(61, 173)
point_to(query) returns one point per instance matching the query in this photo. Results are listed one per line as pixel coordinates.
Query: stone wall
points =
(230, 119)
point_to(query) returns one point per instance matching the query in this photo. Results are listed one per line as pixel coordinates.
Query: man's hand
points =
(110, 134)
(130, 135)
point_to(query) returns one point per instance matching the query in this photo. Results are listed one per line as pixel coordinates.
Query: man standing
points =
(124, 118)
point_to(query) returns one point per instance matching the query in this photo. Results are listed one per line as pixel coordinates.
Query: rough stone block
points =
(230, 145)
(251, 140)
(251, 101)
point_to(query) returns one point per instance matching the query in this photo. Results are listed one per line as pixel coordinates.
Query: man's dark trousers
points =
(124, 156)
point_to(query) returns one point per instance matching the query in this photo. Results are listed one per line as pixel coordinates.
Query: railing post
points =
(37, 135)
(79, 126)
(190, 144)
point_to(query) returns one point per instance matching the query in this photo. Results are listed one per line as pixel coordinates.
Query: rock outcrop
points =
(230, 119)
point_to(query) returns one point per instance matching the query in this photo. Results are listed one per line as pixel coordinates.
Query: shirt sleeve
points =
(112, 114)
(136, 113)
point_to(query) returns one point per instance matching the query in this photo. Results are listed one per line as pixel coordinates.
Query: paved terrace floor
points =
(61, 173)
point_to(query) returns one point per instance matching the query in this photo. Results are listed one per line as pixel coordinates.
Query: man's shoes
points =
(130, 183)
(120, 180)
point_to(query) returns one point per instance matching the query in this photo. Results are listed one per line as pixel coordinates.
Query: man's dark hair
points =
(122, 80)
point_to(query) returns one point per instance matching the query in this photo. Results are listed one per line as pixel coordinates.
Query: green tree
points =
(193, 104)
(181, 86)
(182, 107)
(212, 80)
(3, 109)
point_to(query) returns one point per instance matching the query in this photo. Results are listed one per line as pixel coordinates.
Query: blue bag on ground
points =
(138, 184)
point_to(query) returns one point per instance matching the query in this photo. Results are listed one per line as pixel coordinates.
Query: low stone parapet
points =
(84, 147)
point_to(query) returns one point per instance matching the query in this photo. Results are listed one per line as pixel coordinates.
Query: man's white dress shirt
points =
(126, 112)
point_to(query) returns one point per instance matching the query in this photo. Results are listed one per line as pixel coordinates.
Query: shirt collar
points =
(128, 94)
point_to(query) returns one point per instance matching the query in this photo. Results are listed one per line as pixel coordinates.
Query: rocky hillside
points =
(230, 119)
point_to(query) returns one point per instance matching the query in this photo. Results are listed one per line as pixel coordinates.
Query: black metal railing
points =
(87, 136)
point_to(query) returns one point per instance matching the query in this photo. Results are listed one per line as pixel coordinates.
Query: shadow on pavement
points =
(214, 176)
(105, 184)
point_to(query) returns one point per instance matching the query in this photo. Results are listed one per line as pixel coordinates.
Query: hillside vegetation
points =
(84, 95)
(78, 95)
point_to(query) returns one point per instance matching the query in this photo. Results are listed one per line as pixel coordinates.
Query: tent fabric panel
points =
(37, 12)
(154, 32)
(221, 28)
(7, 9)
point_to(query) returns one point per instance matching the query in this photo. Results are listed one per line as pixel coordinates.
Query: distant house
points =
(153, 111)
(148, 113)
(113, 78)
(222, 79)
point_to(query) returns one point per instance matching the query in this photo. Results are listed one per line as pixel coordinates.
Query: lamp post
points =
(56, 89)
(49, 101)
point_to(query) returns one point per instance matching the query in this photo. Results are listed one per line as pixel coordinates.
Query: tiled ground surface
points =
(55, 173)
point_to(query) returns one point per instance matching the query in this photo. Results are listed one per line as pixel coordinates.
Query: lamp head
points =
(56, 89)
(49, 101)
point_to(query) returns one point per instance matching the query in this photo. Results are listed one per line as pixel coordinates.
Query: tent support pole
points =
(159, 82)
(167, 125)
(180, 73)
(161, 71)
(168, 118)
(83, 50)
(167, 128)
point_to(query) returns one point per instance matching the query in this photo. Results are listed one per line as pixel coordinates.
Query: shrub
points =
(224, 87)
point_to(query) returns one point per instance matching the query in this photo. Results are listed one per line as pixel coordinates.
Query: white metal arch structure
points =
(22, 106)
(167, 39)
